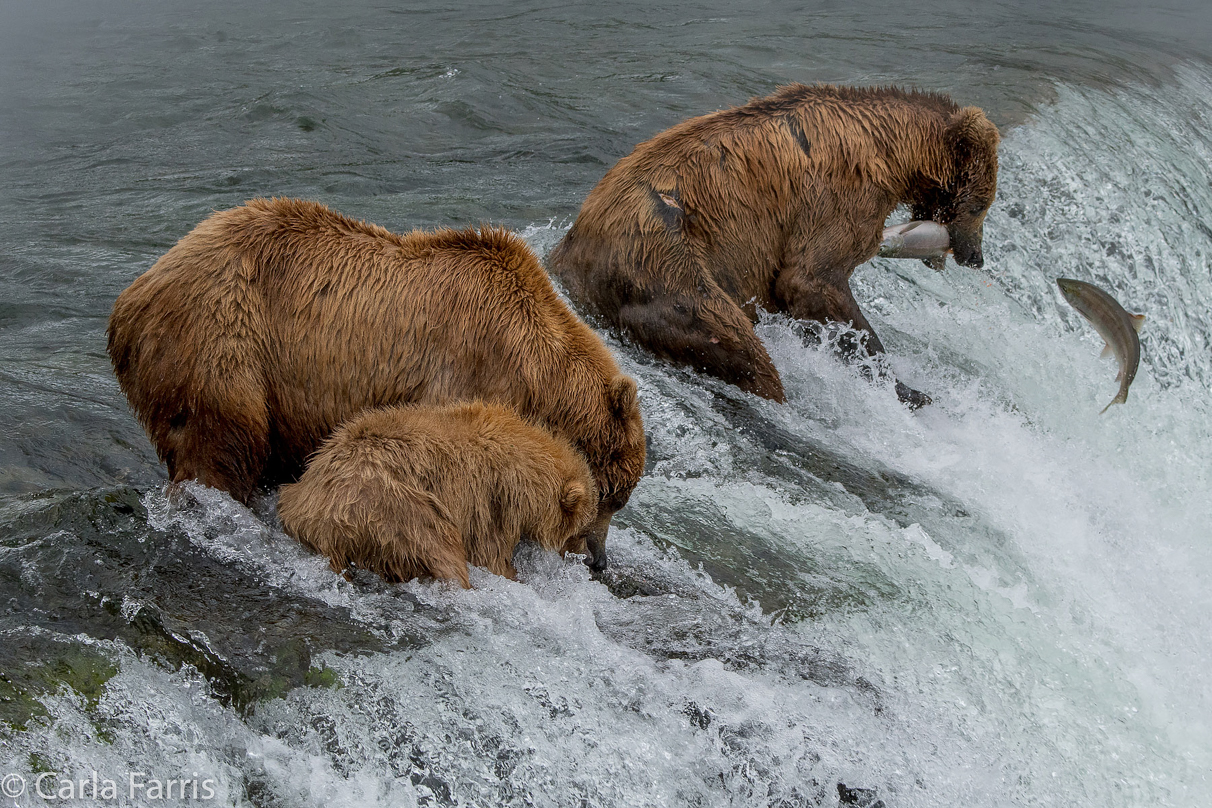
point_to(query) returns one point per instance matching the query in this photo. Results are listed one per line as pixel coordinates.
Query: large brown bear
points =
(413, 491)
(268, 325)
(772, 205)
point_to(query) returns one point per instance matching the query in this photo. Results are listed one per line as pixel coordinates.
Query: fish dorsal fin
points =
(1119, 374)
(1138, 320)
(1106, 351)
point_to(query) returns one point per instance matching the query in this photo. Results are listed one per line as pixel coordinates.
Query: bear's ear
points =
(970, 134)
(621, 394)
(573, 494)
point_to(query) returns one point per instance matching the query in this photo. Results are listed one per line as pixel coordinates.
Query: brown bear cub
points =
(424, 491)
(270, 324)
(771, 205)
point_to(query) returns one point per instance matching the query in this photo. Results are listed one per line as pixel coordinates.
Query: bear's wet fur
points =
(771, 205)
(270, 324)
(423, 491)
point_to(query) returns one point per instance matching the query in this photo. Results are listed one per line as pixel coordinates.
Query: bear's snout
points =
(966, 247)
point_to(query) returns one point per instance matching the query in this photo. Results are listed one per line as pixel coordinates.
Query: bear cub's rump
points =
(424, 491)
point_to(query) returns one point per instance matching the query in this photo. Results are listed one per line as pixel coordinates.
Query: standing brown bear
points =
(771, 204)
(413, 491)
(270, 324)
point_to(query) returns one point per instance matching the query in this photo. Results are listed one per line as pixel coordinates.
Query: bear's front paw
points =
(913, 399)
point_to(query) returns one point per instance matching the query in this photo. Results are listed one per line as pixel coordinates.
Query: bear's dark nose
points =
(974, 259)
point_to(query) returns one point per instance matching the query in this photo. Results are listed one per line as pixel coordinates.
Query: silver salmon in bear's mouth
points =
(922, 239)
(1113, 324)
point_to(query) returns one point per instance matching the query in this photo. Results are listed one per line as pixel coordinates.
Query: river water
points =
(1003, 599)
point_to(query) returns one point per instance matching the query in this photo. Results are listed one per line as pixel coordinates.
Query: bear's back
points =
(464, 447)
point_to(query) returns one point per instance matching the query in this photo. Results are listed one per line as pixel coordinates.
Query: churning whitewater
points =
(999, 600)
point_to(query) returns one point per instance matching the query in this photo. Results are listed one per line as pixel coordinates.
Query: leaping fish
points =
(917, 239)
(1113, 324)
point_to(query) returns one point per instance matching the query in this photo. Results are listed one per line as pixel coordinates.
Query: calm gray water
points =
(1000, 600)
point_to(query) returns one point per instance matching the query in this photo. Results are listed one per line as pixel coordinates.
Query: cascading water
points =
(999, 600)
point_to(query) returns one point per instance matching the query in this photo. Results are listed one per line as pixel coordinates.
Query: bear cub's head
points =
(578, 508)
(561, 524)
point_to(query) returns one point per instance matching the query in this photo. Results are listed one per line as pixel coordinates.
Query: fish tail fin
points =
(1119, 399)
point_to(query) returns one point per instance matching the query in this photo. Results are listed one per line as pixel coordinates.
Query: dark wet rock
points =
(859, 797)
(699, 716)
(89, 564)
(32, 667)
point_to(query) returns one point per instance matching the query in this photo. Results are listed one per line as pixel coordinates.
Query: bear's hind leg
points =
(710, 334)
